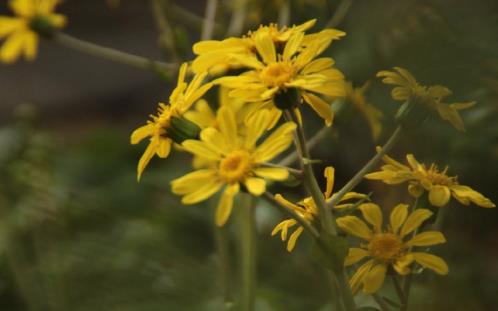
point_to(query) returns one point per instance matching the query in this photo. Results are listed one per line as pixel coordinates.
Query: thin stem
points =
(209, 18)
(248, 253)
(167, 38)
(397, 287)
(111, 54)
(221, 238)
(284, 14)
(367, 168)
(238, 18)
(310, 144)
(309, 179)
(339, 14)
(406, 292)
(307, 226)
(380, 301)
(188, 18)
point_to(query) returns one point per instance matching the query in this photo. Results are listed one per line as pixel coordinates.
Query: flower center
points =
(235, 166)
(385, 247)
(163, 119)
(440, 178)
(277, 74)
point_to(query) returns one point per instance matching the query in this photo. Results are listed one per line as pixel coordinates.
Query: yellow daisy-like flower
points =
(431, 96)
(160, 128)
(308, 211)
(356, 97)
(217, 56)
(239, 160)
(420, 178)
(18, 31)
(276, 77)
(391, 247)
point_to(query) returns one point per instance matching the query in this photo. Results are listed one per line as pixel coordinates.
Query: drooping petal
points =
(163, 147)
(293, 238)
(329, 176)
(398, 217)
(463, 193)
(354, 226)
(372, 214)
(140, 133)
(10, 25)
(149, 152)
(435, 263)
(12, 47)
(426, 238)
(321, 107)
(225, 205)
(415, 220)
(280, 199)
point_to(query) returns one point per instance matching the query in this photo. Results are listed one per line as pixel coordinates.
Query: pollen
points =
(440, 178)
(235, 166)
(277, 74)
(385, 247)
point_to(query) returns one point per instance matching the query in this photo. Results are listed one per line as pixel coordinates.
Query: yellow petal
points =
(439, 195)
(293, 238)
(415, 220)
(450, 114)
(12, 47)
(215, 140)
(280, 199)
(432, 262)
(354, 255)
(25, 8)
(30, 44)
(192, 181)
(274, 173)
(256, 186)
(163, 147)
(149, 152)
(225, 205)
(402, 265)
(354, 226)
(358, 277)
(372, 214)
(201, 149)
(374, 278)
(329, 176)
(203, 192)
(283, 227)
(258, 125)
(292, 46)
(321, 107)
(465, 193)
(398, 216)
(227, 124)
(10, 25)
(426, 239)
(276, 143)
(266, 47)
(140, 133)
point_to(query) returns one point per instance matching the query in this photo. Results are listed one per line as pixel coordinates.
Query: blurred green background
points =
(78, 233)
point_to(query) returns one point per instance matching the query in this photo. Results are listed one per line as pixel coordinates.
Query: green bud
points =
(181, 129)
(42, 27)
(287, 98)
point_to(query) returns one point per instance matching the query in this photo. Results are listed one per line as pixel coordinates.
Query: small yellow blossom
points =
(239, 160)
(18, 31)
(391, 247)
(160, 125)
(356, 97)
(276, 76)
(420, 178)
(431, 96)
(307, 209)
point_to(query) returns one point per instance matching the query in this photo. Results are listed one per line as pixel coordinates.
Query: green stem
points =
(397, 287)
(188, 18)
(367, 168)
(167, 40)
(209, 19)
(238, 18)
(406, 292)
(380, 301)
(339, 14)
(111, 54)
(248, 253)
(310, 144)
(223, 251)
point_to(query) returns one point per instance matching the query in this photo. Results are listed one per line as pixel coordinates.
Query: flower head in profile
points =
(21, 32)
(389, 247)
(218, 56)
(239, 161)
(421, 178)
(168, 125)
(308, 210)
(431, 96)
(356, 97)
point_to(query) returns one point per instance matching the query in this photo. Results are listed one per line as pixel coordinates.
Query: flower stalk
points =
(248, 253)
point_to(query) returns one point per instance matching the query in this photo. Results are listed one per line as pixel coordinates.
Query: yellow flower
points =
(218, 55)
(277, 77)
(159, 128)
(439, 185)
(431, 96)
(239, 160)
(20, 36)
(308, 210)
(391, 247)
(356, 97)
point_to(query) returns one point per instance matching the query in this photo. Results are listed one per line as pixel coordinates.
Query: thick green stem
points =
(112, 54)
(248, 253)
(367, 168)
(224, 254)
